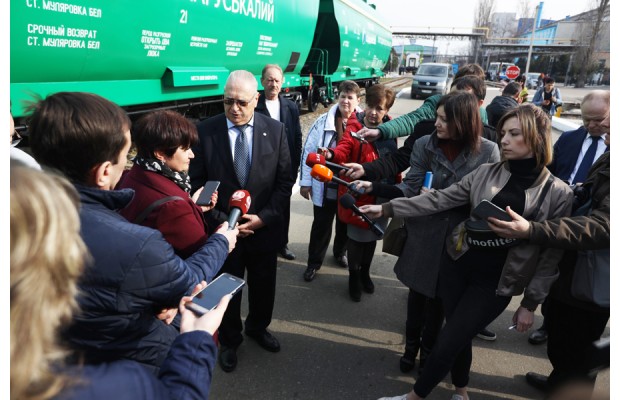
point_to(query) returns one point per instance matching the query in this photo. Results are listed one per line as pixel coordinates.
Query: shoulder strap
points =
(543, 194)
(145, 213)
(545, 189)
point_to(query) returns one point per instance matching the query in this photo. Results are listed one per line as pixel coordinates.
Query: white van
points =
(491, 73)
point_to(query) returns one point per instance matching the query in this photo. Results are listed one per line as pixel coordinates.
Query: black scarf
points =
(181, 179)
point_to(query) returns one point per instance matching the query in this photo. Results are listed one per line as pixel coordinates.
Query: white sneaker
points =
(457, 397)
(402, 397)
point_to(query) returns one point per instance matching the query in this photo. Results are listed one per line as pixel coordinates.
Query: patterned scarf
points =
(159, 167)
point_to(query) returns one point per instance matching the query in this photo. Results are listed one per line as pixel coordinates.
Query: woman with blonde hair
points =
(489, 270)
(47, 258)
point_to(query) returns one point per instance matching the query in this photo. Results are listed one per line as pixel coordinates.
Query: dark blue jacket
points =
(185, 374)
(134, 274)
(566, 152)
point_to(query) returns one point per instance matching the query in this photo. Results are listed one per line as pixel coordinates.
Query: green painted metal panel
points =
(365, 41)
(138, 52)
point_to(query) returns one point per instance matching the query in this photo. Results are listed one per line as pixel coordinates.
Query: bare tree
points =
(525, 9)
(601, 12)
(482, 19)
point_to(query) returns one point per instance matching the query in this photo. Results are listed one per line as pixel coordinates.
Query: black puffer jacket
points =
(134, 275)
(498, 107)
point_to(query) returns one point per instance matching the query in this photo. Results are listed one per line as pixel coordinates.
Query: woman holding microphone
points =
(487, 273)
(453, 150)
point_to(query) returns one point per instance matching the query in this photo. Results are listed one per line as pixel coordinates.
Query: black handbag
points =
(395, 237)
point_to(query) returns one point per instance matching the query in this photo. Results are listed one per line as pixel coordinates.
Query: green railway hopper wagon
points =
(145, 55)
(350, 42)
(157, 53)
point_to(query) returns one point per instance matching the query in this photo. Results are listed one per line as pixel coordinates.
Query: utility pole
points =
(534, 23)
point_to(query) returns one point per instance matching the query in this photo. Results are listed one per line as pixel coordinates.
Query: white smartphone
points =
(208, 298)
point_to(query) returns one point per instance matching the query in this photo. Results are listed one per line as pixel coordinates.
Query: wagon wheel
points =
(313, 98)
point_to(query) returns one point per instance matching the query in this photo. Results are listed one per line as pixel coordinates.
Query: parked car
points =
(432, 78)
(532, 80)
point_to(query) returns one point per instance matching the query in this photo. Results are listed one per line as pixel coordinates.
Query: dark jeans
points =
(424, 320)
(467, 290)
(261, 288)
(321, 234)
(571, 332)
(360, 254)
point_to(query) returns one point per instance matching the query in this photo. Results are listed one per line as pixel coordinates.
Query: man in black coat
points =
(276, 106)
(571, 162)
(246, 150)
(501, 104)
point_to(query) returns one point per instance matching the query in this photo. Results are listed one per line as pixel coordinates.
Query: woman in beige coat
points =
(479, 286)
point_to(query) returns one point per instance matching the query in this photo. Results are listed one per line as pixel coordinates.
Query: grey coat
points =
(424, 252)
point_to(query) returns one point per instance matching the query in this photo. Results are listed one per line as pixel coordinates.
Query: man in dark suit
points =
(274, 105)
(573, 155)
(571, 148)
(247, 150)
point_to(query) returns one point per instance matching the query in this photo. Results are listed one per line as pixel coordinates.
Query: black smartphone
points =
(205, 196)
(486, 209)
(355, 135)
(208, 298)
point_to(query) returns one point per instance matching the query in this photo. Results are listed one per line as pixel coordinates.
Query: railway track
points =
(307, 118)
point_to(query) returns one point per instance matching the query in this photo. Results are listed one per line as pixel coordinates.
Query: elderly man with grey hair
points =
(245, 150)
(574, 153)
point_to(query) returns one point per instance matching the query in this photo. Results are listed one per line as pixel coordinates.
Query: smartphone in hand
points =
(205, 196)
(355, 135)
(486, 209)
(209, 297)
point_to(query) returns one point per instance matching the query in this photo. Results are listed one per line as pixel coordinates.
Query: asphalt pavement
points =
(333, 348)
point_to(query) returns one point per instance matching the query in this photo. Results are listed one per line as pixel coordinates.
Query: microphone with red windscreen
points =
(316, 158)
(323, 174)
(239, 204)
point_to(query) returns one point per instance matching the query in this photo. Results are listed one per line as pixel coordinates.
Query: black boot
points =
(407, 361)
(412, 347)
(424, 353)
(355, 285)
(367, 284)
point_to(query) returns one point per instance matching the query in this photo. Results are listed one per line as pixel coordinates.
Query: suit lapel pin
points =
(264, 133)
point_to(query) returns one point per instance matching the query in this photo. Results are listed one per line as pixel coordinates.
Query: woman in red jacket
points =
(163, 140)
(362, 242)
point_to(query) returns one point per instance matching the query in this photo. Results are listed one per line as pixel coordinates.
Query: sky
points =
(445, 14)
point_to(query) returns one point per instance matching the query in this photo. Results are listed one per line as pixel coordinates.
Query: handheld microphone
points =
(323, 174)
(348, 202)
(239, 204)
(316, 158)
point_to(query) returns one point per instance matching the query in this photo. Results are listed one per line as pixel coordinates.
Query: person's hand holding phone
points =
(209, 322)
(210, 207)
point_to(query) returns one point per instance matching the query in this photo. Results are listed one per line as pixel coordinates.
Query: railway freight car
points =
(177, 54)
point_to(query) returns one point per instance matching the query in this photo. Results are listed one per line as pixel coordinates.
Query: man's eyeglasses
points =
(241, 103)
